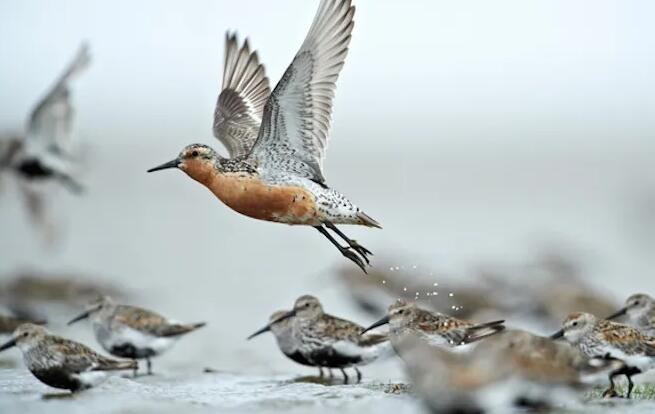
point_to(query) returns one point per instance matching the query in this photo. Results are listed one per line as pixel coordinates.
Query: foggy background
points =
(473, 131)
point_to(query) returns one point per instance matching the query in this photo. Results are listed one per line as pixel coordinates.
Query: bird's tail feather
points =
(483, 330)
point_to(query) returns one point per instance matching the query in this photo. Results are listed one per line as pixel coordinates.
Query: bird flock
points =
(276, 142)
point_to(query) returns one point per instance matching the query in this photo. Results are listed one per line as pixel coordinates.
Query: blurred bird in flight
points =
(277, 141)
(43, 154)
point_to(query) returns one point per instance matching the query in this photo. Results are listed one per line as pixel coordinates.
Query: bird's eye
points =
(194, 153)
(25, 334)
(400, 312)
(574, 324)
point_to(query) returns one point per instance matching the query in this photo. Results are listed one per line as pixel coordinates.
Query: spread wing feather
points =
(296, 123)
(241, 102)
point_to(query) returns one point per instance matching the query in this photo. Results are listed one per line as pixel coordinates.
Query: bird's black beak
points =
(287, 315)
(7, 345)
(171, 164)
(618, 313)
(557, 335)
(84, 315)
(381, 322)
(259, 332)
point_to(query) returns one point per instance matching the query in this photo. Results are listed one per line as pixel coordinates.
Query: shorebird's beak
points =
(618, 313)
(259, 332)
(10, 344)
(171, 164)
(287, 315)
(84, 315)
(381, 322)
(557, 335)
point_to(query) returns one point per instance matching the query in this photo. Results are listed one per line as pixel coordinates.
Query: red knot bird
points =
(331, 342)
(640, 310)
(282, 329)
(62, 363)
(277, 141)
(602, 338)
(435, 328)
(43, 154)
(132, 332)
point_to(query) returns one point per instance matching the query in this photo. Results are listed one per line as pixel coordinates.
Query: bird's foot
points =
(610, 393)
(352, 255)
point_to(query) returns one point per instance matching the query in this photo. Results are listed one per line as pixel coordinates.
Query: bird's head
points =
(25, 337)
(636, 306)
(197, 160)
(576, 326)
(97, 310)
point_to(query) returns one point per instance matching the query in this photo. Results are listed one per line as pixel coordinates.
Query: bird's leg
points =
(330, 372)
(359, 375)
(149, 365)
(363, 251)
(611, 392)
(320, 372)
(344, 250)
(135, 372)
(630, 385)
(345, 376)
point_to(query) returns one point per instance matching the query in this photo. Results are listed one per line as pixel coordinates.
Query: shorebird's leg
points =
(363, 251)
(135, 372)
(611, 392)
(149, 365)
(359, 375)
(330, 372)
(630, 385)
(320, 372)
(345, 376)
(344, 250)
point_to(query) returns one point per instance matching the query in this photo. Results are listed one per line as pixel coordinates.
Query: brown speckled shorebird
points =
(331, 342)
(640, 310)
(509, 369)
(602, 338)
(435, 328)
(277, 141)
(62, 363)
(131, 332)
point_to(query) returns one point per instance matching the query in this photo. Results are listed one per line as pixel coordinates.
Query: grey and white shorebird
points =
(331, 342)
(602, 338)
(60, 362)
(640, 310)
(277, 141)
(282, 329)
(44, 153)
(513, 368)
(132, 332)
(435, 328)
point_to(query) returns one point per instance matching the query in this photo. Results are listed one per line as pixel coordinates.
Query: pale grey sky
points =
(517, 74)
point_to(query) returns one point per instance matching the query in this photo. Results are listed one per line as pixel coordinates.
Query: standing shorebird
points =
(331, 342)
(62, 363)
(640, 309)
(282, 329)
(603, 338)
(277, 141)
(44, 154)
(131, 332)
(509, 369)
(433, 327)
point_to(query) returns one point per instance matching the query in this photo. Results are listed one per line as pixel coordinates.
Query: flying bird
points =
(277, 141)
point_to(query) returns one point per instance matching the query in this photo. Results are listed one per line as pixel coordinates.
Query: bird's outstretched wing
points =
(296, 123)
(241, 102)
(50, 121)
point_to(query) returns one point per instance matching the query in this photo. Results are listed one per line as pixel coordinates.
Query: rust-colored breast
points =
(246, 194)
